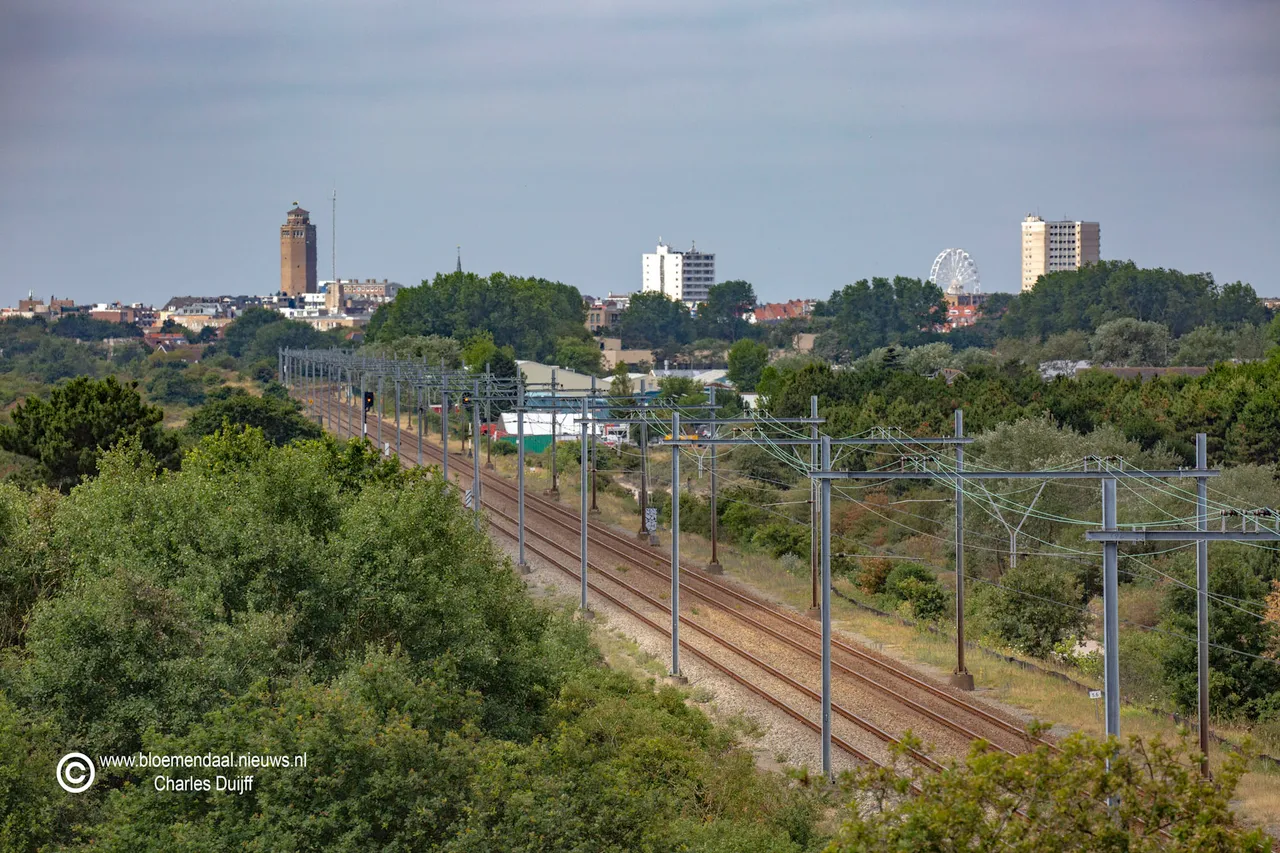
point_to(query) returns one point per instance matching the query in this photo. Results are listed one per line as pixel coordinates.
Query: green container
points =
(532, 443)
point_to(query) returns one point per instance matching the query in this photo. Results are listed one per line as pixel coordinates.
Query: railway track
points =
(767, 639)
(882, 676)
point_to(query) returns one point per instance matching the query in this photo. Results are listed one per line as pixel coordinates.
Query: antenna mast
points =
(333, 239)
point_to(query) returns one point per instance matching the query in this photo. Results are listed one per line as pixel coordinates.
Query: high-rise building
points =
(686, 276)
(297, 253)
(1053, 246)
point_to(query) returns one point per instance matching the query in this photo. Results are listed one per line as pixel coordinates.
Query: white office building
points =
(686, 276)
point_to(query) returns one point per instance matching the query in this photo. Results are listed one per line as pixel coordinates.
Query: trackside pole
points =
(582, 508)
(426, 408)
(1110, 612)
(554, 491)
(444, 431)
(714, 567)
(961, 677)
(364, 413)
(675, 550)
(520, 561)
(418, 396)
(1202, 600)
(595, 510)
(379, 413)
(397, 381)
(815, 569)
(826, 611)
(475, 454)
(488, 417)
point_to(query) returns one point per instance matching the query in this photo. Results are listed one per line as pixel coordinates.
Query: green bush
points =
(740, 514)
(780, 538)
(177, 386)
(902, 572)
(918, 588)
(1036, 607)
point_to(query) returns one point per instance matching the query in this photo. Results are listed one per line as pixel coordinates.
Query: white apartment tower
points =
(1053, 246)
(686, 276)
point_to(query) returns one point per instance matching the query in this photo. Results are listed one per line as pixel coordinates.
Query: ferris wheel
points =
(955, 272)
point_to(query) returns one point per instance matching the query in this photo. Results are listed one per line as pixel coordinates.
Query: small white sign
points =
(466, 499)
(1095, 694)
(651, 518)
(386, 448)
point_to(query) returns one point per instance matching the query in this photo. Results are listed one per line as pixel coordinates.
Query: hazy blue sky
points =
(152, 148)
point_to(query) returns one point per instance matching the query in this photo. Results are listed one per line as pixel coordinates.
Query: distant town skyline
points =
(806, 144)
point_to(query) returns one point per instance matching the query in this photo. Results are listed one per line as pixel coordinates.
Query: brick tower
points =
(297, 253)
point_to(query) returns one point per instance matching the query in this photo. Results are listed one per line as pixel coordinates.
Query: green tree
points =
(271, 338)
(1131, 343)
(432, 350)
(1240, 685)
(240, 333)
(866, 315)
(1205, 346)
(281, 421)
(722, 314)
(620, 384)
(528, 314)
(747, 360)
(84, 328)
(68, 433)
(652, 321)
(928, 359)
(479, 351)
(1238, 304)
(577, 354)
(1095, 294)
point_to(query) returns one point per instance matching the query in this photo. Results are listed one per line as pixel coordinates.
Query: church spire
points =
(459, 259)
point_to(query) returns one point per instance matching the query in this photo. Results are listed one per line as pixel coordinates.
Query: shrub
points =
(916, 586)
(901, 573)
(1088, 795)
(873, 573)
(1037, 607)
(779, 538)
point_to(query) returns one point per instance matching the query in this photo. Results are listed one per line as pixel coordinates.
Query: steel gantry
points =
(1110, 536)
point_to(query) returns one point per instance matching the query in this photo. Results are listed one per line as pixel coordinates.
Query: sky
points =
(151, 148)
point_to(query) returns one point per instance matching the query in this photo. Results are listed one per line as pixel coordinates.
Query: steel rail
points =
(656, 566)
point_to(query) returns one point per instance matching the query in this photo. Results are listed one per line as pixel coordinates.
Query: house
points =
(605, 313)
(613, 353)
(776, 312)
